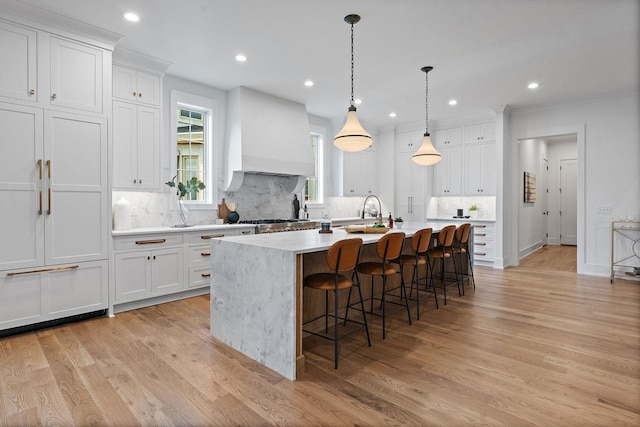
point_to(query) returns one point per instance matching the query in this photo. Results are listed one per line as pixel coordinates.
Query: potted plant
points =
(191, 187)
(398, 222)
(473, 211)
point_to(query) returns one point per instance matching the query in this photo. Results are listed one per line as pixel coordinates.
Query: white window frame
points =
(186, 100)
(321, 132)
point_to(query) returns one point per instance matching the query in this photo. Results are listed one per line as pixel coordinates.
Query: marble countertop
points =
(206, 227)
(461, 219)
(306, 241)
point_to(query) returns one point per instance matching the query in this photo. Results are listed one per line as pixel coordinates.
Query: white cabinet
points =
(18, 78)
(148, 266)
(482, 132)
(136, 86)
(483, 242)
(197, 247)
(50, 70)
(360, 173)
(136, 146)
(480, 165)
(55, 216)
(447, 173)
(447, 137)
(410, 188)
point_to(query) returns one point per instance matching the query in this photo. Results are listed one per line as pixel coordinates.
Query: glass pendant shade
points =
(427, 154)
(352, 137)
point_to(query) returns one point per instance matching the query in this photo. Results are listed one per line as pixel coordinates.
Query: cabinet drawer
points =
(199, 276)
(483, 255)
(198, 254)
(205, 236)
(149, 241)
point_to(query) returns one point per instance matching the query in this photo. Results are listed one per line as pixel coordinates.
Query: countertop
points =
(461, 219)
(306, 241)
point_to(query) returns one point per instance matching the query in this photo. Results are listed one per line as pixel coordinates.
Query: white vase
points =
(183, 214)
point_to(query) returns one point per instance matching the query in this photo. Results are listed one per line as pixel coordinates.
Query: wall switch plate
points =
(604, 209)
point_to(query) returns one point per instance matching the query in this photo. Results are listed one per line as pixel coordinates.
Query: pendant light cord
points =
(426, 104)
(352, 101)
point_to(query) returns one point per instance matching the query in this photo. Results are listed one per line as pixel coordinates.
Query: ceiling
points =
(484, 53)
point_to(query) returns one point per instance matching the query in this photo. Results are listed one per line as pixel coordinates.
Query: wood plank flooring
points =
(525, 348)
(552, 258)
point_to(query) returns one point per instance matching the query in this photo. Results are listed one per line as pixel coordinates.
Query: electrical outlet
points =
(604, 209)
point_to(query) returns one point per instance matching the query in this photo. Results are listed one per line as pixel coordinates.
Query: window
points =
(193, 148)
(313, 186)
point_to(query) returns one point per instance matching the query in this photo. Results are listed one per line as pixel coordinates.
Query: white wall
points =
(608, 166)
(531, 229)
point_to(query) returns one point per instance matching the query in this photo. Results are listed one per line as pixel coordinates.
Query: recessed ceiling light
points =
(533, 85)
(392, 115)
(358, 101)
(131, 17)
(308, 83)
(453, 102)
(241, 58)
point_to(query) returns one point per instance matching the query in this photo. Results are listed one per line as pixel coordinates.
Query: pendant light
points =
(427, 154)
(352, 137)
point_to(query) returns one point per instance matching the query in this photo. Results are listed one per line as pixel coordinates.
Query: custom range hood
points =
(266, 135)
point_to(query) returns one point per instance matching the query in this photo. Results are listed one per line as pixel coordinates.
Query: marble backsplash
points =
(446, 207)
(259, 197)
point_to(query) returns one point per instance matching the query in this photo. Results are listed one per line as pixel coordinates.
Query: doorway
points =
(551, 218)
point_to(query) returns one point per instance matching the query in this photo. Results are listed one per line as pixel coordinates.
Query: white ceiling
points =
(484, 52)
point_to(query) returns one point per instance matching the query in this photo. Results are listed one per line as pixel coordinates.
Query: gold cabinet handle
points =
(40, 192)
(18, 273)
(479, 244)
(134, 93)
(206, 274)
(480, 253)
(215, 236)
(205, 253)
(480, 234)
(480, 226)
(139, 95)
(54, 96)
(32, 92)
(149, 242)
(49, 187)
(246, 232)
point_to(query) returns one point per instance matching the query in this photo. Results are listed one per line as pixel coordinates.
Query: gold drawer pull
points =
(206, 274)
(70, 267)
(480, 234)
(148, 242)
(215, 236)
(480, 226)
(479, 244)
(479, 253)
(205, 253)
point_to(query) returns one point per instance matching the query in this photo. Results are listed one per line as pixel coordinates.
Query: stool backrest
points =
(390, 245)
(462, 233)
(343, 255)
(421, 240)
(446, 235)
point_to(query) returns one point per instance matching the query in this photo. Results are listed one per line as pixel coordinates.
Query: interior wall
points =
(531, 230)
(608, 174)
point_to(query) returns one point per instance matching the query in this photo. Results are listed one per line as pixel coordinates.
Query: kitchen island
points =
(256, 290)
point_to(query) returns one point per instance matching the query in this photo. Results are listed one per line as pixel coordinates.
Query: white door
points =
(568, 202)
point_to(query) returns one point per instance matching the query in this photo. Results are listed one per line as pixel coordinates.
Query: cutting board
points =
(365, 230)
(223, 210)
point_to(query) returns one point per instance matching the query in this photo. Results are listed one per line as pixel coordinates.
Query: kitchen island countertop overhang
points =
(256, 291)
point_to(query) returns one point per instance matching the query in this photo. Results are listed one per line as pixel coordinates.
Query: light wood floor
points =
(552, 258)
(526, 348)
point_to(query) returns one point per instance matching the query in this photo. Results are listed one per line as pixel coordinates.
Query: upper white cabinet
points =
(447, 137)
(18, 78)
(360, 173)
(480, 166)
(136, 146)
(483, 132)
(136, 86)
(447, 173)
(50, 70)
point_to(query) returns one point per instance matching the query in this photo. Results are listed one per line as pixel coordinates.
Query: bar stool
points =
(442, 252)
(420, 244)
(342, 256)
(388, 248)
(461, 249)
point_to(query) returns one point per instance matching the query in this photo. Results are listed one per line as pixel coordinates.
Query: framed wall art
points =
(529, 187)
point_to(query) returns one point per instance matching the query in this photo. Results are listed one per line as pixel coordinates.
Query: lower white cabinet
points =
(482, 239)
(39, 295)
(164, 264)
(154, 267)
